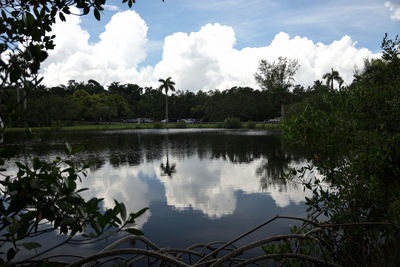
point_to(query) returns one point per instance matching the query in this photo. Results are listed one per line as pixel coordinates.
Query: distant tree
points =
(277, 77)
(166, 85)
(271, 76)
(93, 87)
(132, 93)
(331, 77)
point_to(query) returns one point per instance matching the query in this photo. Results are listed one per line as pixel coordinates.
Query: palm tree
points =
(332, 76)
(166, 84)
(168, 169)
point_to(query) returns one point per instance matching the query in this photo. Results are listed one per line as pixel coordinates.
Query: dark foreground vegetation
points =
(354, 137)
(352, 133)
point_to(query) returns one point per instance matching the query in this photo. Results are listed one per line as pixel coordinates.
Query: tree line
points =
(90, 101)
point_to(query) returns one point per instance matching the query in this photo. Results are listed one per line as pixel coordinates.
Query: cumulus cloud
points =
(114, 58)
(394, 10)
(206, 59)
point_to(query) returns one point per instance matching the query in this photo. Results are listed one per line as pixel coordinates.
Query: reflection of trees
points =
(96, 163)
(136, 147)
(130, 158)
(167, 169)
(271, 173)
(276, 163)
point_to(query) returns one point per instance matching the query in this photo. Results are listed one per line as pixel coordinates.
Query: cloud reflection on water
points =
(211, 168)
(207, 185)
(125, 184)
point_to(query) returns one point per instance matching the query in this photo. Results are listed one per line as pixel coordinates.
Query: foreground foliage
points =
(354, 137)
(43, 197)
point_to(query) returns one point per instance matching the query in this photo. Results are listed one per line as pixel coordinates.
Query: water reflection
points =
(167, 169)
(124, 184)
(200, 170)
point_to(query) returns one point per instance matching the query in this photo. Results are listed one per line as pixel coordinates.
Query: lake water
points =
(200, 185)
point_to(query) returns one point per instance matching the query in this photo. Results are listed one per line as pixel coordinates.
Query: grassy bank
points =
(122, 126)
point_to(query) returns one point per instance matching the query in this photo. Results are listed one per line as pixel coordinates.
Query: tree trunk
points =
(166, 108)
(18, 98)
(25, 100)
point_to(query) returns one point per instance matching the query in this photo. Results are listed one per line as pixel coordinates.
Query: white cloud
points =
(111, 7)
(114, 58)
(206, 59)
(394, 10)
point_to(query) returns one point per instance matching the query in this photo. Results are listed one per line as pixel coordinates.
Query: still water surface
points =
(201, 185)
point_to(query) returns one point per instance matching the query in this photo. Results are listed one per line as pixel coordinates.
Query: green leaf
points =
(81, 190)
(123, 211)
(36, 164)
(140, 212)
(68, 148)
(134, 231)
(11, 254)
(86, 10)
(96, 14)
(78, 149)
(70, 163)
(29, 19)
(269, 249)
(14, 75)
(30, 245)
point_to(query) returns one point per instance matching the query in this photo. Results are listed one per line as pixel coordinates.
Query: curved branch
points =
(257, 244)
(129, 238)
(287, 255)
(47, 250)
(123, 251)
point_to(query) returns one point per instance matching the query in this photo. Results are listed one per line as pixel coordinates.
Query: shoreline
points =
(127, 126)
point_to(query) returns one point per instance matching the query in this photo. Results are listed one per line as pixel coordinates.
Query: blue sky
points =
(256, 23)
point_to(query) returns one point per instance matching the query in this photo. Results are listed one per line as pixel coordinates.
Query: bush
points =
(353, 136)
(181, 124)
(232, 123)
(251, 124)
(158, 125)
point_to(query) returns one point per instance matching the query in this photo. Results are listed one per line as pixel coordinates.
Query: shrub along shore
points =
(156, 125)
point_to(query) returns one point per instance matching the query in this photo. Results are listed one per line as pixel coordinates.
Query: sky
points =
(210, 44)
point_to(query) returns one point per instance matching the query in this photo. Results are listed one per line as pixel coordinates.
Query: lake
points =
(200, 185)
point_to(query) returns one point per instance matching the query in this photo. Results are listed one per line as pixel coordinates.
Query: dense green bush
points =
(251, 124)
(181, 124)
(232, 123)
(354, 137)
(158, 125)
